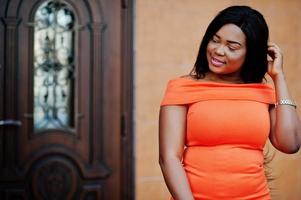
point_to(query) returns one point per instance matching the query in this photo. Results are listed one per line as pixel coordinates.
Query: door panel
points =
(93, 160)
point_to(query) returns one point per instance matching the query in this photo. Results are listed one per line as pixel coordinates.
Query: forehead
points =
(231, 32)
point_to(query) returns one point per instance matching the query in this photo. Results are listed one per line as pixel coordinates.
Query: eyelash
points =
(229, 47)
(214, 40)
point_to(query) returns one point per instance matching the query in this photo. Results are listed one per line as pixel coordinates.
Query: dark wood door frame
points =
(8, 72)
(127, 148)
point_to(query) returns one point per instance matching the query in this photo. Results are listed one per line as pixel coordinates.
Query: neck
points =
(224, 78)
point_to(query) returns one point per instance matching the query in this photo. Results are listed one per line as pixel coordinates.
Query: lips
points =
(216, 62)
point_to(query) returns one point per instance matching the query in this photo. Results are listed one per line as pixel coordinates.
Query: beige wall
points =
(167, 37)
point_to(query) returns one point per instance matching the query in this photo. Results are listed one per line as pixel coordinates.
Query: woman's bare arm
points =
(172, 130)
(285, 132)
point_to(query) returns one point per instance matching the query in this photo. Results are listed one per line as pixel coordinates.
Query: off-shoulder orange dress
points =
(227, 128)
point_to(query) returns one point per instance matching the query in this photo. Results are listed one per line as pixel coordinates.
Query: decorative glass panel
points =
(53, 67)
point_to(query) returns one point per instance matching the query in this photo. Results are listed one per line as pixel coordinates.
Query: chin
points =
(216, 70)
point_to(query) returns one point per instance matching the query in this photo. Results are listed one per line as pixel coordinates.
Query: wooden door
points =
(80, 148)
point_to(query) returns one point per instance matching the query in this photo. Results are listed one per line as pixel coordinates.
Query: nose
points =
(219, 50)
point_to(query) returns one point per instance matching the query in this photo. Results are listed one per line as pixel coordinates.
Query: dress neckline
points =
(206, 82)
(182, 90)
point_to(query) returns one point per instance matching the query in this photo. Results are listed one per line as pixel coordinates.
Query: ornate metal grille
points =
(54, 67)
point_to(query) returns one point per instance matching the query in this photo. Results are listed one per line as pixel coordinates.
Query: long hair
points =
(255, 28)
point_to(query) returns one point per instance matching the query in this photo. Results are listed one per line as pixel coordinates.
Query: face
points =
(226, 51)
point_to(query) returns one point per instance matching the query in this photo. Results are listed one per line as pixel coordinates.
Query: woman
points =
(214, 123)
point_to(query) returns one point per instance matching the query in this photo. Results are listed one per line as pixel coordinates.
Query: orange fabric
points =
(227, 127)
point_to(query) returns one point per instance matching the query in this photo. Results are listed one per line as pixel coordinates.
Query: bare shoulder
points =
(188, 76)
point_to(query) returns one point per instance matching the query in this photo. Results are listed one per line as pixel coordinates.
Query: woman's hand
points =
(275, 61)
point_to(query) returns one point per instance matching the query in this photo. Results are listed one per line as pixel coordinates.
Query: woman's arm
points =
(285, 124)
(172, 130)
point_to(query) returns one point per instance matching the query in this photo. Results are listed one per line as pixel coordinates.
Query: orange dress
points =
(227, 128)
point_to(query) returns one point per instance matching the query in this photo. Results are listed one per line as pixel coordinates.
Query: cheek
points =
(208, 50)
(238, 58)
(210, 47)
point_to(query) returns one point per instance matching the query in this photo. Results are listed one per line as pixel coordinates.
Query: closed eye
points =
(232, 48)
(215, 39)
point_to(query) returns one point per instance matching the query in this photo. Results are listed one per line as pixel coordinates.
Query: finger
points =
(269, 58)
(273, 45)
(274, 50)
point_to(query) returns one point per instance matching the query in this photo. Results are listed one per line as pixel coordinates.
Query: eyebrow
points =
(229, 41)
